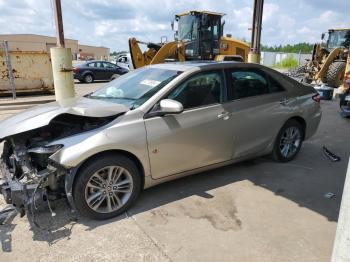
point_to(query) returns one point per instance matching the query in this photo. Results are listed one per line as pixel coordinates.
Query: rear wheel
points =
(288, 141)
(88, 78)
(106, 187)
(335, 74)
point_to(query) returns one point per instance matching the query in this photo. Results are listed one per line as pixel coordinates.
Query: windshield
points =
(339, 38)
(136, 87)
(187, 27)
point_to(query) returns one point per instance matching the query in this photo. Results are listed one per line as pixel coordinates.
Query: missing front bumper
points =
(15, 193)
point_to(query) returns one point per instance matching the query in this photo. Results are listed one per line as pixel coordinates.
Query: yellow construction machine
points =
(328, 60)
(199, 36)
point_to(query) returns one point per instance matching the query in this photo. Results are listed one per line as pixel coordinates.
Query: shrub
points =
(288, 62)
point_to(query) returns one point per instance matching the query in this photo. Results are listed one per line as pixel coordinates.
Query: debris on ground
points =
(331, 156)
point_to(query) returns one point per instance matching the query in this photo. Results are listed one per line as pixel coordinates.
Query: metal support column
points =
(61, 58)
(254, 54)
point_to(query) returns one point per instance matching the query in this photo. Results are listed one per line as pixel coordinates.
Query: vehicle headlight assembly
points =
(45, 149)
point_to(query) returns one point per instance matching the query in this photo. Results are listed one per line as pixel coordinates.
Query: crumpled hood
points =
(40, 116)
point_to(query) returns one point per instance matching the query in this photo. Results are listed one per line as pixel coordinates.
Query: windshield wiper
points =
(112, 97)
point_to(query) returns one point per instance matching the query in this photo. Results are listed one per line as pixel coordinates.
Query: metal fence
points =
(272, 58)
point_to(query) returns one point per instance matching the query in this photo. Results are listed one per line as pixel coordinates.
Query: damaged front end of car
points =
(27, 174)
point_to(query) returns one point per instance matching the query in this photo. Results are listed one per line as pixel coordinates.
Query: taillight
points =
(76, 70)
(316, 98)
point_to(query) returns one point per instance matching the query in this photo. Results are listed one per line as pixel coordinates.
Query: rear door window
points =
(109, 65)
(99, 65)
(275, 86)
(247, 83)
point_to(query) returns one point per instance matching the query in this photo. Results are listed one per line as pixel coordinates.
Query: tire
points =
(89, 186)
(335, 74)
(88, 78)
(115, 76)
(283, 153)
(344, 106)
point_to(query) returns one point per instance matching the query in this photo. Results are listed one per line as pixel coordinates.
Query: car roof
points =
(184, 66)
(93, 61)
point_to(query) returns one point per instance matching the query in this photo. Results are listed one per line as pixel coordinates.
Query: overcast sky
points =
(111, 22)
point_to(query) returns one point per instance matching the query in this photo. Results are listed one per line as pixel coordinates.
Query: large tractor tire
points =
(335, 74)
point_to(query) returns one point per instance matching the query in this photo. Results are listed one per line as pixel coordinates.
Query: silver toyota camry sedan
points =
(152, 125)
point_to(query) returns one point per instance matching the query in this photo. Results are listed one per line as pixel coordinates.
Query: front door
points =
(197, 137)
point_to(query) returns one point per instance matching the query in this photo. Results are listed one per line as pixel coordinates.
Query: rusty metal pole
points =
(61, 58)
(254, 54)
(59, 23)
(9, 69)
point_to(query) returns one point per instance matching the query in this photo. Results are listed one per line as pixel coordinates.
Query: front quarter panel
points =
(126, 134)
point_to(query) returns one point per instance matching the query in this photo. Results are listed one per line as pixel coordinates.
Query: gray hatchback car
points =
(152, 125)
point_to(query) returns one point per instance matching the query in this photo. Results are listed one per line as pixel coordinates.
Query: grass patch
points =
(289, 62)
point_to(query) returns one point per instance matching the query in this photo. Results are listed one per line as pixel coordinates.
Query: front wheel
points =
(115, 76)
(288, 141)
(335, 74)
(106, 187)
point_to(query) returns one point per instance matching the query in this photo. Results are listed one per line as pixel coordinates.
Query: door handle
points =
(224, 115)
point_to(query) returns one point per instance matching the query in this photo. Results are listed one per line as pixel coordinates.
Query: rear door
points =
(110, 70)
(256, 108)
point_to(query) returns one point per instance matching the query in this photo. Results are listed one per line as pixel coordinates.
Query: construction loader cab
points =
(201, 33)
(198, 36)
(338, 38)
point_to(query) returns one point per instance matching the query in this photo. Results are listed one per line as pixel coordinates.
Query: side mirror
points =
(172, 25)
(169, 106)
(322, 36)
(166, 107)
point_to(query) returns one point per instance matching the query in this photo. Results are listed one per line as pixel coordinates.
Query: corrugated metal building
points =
(41, 43)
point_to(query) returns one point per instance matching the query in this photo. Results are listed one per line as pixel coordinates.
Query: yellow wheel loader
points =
(199, 36)
(328, 61)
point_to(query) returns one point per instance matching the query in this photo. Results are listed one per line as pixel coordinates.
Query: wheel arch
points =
(88, 73)
(301, 121)
(70, 178)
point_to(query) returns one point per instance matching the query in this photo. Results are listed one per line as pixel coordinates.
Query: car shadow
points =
(300, 182)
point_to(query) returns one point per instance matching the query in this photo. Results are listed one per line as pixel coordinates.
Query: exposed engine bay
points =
(27, 175)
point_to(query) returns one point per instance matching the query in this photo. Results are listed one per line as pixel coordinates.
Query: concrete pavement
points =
(258, 210)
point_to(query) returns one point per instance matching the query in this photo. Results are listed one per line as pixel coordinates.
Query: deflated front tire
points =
(106, 186)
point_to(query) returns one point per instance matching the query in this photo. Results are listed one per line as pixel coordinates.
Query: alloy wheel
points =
(108, 189)
(290, 141)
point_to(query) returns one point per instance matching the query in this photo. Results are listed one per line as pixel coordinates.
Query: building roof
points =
(46, 36)
(36, 35)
